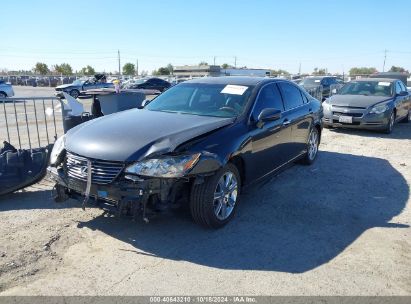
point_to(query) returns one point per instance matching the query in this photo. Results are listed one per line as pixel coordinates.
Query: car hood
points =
(135, 134)
(361, 101)
(65, 86)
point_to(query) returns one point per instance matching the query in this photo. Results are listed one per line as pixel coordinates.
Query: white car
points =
(6, 90)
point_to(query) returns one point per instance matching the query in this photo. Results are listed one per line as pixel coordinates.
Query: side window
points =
(326, 81)
(397, 87)
(269, 97)
(403, 88)
(292, 96)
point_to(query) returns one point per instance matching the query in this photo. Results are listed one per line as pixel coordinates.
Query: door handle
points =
(286, 122)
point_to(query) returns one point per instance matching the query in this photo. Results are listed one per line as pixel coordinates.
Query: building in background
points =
(190, 71)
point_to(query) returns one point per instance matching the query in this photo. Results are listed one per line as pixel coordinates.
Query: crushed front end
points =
(108, 184)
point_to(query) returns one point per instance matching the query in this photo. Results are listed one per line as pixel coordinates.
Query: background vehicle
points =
(373, 103)
(216, 135)
(150, 84)
(75, 88)
(327, 83)
(6, 90)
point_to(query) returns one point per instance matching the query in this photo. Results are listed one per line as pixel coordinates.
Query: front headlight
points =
(326, 106)
(57, 149)
(167, 166)
(379, 109)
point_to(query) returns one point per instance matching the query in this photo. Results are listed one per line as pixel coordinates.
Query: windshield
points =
(311, 81)
(204, 99)
(368, 88)
(78, 82)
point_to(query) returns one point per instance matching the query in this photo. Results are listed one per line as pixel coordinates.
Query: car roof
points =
(235, 80)
(376, 79)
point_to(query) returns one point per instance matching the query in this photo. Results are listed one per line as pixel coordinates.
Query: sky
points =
(335, 35)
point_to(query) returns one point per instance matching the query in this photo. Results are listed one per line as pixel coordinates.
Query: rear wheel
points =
(312, 147)
(213, 202)
(407, 118)
(3, 95)
(390, 124)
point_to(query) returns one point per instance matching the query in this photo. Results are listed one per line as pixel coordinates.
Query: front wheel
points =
(390, 123)
(74, 93)
(3, 95)
(213, 202)
(312, 147)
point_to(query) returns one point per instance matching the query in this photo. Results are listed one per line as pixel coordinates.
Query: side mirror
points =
(334, 91)
(403, 93)
(268, 114)
(144, 103)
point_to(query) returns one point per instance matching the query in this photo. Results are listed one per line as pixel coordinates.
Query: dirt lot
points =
(339, 227)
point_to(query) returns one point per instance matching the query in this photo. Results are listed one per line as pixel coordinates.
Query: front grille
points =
(348, 114)
(102, 172)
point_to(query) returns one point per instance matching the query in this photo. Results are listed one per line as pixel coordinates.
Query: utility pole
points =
(214, 60)
(119, 65)
(235, 61)
(385, 58)
(299, 69)
(137, 67)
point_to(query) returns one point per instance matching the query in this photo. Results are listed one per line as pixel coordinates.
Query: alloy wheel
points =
(225, 196)
(313, 144)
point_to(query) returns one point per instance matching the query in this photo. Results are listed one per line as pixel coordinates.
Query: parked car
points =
(327, 83)
(150, 84)
(6, 90)
(76, 88)
(372, 103)
(201, 141)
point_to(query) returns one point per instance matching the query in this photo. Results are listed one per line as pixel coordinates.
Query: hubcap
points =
(313, 145)
(225, 196)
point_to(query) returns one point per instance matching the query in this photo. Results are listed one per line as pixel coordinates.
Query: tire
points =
(209, 211)
(74, 93)
(312, 147)
(390, 124)
(407, 118)
(3, 95)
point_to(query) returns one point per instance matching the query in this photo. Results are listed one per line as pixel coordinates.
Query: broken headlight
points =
(167, 166)
(57, 149)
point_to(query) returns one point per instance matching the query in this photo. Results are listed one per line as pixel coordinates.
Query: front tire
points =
(312, 147)
(390, 124)
(213, 203)
(3, 95)
(74, 93)
(407, 118)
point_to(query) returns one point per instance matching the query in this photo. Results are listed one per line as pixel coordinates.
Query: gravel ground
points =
(339, 227)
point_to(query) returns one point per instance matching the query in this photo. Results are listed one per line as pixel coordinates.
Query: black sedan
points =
(199, 142)
(324, 83)
(374, 103)
(150, 84)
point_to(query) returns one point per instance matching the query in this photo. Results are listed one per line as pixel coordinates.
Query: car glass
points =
(291, 95)
(269, 97)
(218, 100)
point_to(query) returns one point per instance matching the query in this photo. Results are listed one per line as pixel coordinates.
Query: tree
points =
(170, 68)
(225, 66)
(162, 71)
(88, 70)
(319, 72)
(279, 72)
(362, 71)
(63, 68)
(41, 68)
(202, 63)
(129, 69)
(398, 69)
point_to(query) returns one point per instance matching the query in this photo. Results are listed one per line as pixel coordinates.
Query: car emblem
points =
(83, 171)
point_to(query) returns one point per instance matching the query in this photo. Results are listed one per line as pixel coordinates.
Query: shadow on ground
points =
(293, 222)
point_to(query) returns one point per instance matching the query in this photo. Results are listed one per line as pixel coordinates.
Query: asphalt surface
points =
(338, 227)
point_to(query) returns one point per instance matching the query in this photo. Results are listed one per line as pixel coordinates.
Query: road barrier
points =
(29, 123)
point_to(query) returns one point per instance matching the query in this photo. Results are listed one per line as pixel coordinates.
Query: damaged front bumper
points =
(128, 197)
